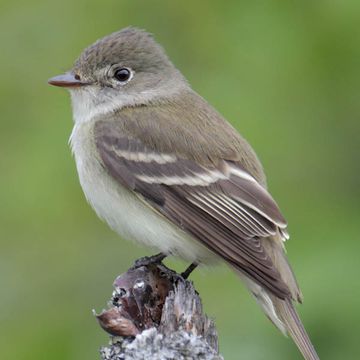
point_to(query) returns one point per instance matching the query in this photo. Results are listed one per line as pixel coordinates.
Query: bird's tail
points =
(294, 327)
(284, 309)
(284, 316)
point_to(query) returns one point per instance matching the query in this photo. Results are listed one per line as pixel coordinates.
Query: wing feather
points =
(221, 205)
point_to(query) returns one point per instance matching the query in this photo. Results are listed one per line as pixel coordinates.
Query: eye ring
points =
(123, 75)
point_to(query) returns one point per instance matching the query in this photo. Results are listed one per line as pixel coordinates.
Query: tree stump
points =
(156, 314)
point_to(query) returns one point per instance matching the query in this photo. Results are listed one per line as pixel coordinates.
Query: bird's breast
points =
(122, 209)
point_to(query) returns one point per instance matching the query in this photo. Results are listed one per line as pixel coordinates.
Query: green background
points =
(285, 73)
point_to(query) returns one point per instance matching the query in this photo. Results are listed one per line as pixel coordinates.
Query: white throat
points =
(87, 105)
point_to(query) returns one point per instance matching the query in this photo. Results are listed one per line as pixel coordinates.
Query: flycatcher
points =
(164, 168)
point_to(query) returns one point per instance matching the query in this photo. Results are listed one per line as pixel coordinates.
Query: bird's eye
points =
(123, 75)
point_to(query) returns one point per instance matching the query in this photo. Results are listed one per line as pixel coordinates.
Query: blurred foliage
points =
(285, 73)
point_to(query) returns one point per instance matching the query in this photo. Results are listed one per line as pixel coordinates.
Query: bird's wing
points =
(221, 205)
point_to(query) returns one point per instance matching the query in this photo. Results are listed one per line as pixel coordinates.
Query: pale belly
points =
(124, 211)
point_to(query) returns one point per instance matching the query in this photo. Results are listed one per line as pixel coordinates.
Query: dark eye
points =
(122, 74)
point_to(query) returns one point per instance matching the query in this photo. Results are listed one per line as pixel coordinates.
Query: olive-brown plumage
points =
(164, 168)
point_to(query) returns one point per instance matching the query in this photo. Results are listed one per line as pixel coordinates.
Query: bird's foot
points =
(149, 260)
(189, 270)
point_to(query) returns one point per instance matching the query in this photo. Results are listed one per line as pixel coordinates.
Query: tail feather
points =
(288, 315)
(284, 316)
(282, 312)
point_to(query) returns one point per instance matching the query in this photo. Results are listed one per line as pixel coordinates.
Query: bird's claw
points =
(149, 260)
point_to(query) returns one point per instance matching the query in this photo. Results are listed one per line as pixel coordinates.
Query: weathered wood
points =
(156, 314)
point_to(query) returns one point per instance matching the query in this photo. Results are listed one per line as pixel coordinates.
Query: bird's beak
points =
(67, 80)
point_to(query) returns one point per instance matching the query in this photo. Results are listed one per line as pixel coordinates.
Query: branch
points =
(155, 314)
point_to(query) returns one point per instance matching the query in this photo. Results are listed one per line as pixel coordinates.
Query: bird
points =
(163, 168)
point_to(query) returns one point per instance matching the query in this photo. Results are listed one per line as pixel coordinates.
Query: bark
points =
(156, 314)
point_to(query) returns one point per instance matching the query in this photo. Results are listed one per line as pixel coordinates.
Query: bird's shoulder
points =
(186, 126)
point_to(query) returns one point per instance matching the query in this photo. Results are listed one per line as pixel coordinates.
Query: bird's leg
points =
(189, 270)
(148, 260)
